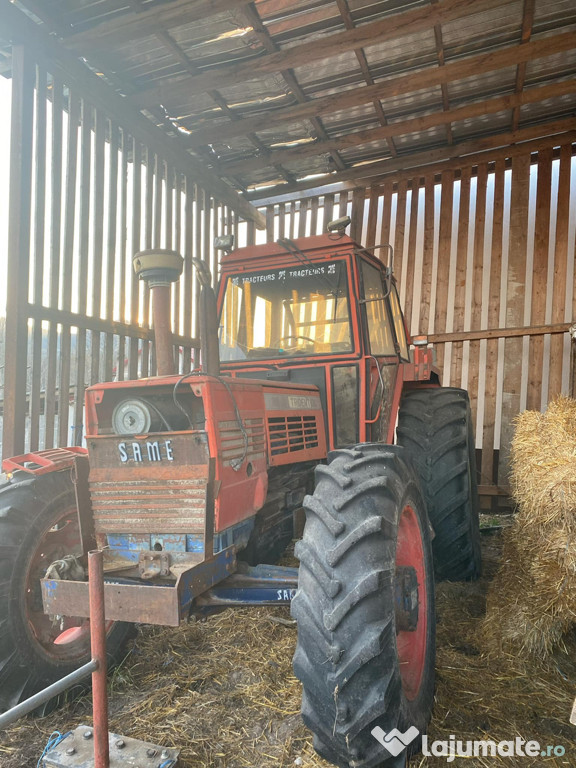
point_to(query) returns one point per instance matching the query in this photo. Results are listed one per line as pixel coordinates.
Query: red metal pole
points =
(98, 642)
(162, 329)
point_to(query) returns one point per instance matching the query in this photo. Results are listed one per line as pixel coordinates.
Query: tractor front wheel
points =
(365, 610)
(39, 525)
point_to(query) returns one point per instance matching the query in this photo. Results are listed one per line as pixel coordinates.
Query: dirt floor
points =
(223, 691)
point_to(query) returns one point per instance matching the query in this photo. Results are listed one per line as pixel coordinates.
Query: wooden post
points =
(16, 359)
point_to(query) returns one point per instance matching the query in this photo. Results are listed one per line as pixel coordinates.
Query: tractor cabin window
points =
(379, 330)
(292, 312)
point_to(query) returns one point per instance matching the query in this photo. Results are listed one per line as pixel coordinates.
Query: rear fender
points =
(74, 460)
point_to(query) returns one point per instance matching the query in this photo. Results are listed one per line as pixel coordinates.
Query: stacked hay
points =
(532, 600)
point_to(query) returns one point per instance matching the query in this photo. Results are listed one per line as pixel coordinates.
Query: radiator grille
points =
(289, 434)
(149, 506)
(232, 442)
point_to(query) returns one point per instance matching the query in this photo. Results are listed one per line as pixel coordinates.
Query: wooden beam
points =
(396, 86)
(415, 125)
(15, 363)
(468, 152)
(527, 24)
(64, 65)
(392, 27)
(499, 333)
(148, 20)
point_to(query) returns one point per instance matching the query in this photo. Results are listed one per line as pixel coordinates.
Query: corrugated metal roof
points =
(277, 90)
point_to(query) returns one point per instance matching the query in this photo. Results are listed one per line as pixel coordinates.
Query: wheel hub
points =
(406, 599)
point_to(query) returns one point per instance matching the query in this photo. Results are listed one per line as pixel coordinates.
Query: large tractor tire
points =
(435, 428)
(365, 610)
(38, 525)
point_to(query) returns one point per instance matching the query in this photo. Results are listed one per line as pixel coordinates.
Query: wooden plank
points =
(477, 277)
(560, 269)
(514, 306)
(539, 277)
(392, 87)
(384, 237)
(499, 333)
(444, 252)
(97, 240)
(411, 255)
(328, 212)
(400, 128)
(314, 215)
(400, 230)
(392, 27)
(67, 265)
(302, 220)
(490, 393)
(460, 276)
(55, 255)
(356, 216)
(427, 257)
(188, 278)
(372, 217)
(66, 65)
(38, 216)
(121, 260)
(136, 230)
(112, 216)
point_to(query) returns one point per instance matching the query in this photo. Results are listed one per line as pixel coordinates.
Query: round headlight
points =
(132, 417)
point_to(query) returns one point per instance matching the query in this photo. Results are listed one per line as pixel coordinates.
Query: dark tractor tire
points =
(435, 428)
(38, 525)
(365, 556)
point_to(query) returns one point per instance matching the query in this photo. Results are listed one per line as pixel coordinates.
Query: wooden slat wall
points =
(89, 195)
(488, 249)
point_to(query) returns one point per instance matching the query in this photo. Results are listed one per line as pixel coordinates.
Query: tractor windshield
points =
(295, 311)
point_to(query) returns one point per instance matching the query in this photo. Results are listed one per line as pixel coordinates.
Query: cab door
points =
(382, 351)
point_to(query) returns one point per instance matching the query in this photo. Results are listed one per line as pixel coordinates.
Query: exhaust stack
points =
(160, 268)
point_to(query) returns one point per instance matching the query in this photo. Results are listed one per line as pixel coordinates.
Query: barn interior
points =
(445, 128)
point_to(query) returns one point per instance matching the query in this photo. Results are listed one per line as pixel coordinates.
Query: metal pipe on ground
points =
(35, 701)
(98, 644)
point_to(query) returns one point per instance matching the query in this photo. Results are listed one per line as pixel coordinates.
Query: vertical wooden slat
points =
(51, 388)
(560, 270)
(514, 305)
(67, 265)
(21, 137)
(328, 215)
(136, 230)
(315, 204)
(539, 277)
(302, 216)
(400, 230)
(372, 216)
(112, 205)
(444, 251)
(270, 224)
(487, 474)
(121, 262)
(97, 239)
(477, 284)
(460, 277)
(39, 209)
(411, 255)
(82, 284)
(384, 236)
(427, 257)
(188, 278)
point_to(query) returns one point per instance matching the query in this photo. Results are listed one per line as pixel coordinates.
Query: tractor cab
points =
(322, 311)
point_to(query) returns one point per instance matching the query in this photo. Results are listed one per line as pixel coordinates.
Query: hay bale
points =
(532, 600)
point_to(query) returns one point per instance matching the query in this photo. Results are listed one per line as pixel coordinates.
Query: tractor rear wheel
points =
(435, 427)
(38, 525)
(365, 609)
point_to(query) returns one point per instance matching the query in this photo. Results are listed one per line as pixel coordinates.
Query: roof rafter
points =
(414, 125)
(428, 157)
(527, 23)
(392, 27)
(395, 86)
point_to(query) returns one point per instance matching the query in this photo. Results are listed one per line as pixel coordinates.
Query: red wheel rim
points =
(411, 645)
(66, 639)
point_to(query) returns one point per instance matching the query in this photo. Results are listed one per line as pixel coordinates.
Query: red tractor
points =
(192, 484)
